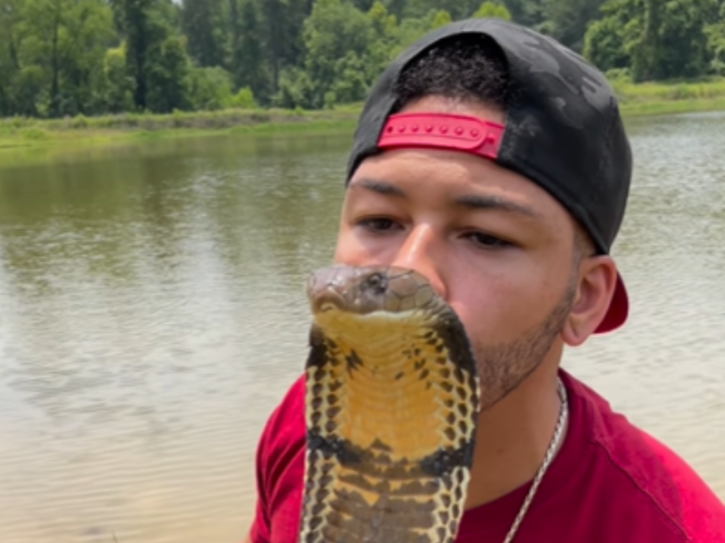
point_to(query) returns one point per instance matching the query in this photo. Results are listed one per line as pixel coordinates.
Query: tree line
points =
(90, 57)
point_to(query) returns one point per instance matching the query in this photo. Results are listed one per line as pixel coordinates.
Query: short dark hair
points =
(463, 67)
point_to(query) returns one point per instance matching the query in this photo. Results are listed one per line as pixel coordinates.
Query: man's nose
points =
(423, 251)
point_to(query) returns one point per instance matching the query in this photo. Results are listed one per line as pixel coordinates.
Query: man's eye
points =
(378, 224)
(488, 242)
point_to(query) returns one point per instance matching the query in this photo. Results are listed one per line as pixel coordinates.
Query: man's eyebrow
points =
(377, 185)
(496, 203)
(471, 201)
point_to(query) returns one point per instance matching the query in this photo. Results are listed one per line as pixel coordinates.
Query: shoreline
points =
(17, 134)
(20, 133)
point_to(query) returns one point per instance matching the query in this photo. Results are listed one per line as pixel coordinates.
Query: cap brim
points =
(618, 309)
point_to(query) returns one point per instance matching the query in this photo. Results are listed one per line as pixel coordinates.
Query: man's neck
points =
(513, 437)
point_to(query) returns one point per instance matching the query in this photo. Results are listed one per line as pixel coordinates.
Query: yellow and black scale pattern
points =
(391, 410)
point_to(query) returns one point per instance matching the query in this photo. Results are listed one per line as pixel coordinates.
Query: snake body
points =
(391, 410)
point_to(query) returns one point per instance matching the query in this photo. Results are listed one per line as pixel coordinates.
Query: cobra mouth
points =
(391, 410)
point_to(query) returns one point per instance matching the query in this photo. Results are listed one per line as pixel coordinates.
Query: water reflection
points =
(152, 313)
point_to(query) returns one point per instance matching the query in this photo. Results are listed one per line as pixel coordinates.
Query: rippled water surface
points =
(152, 313)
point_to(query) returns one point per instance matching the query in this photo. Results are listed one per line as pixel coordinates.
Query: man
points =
(494, 162)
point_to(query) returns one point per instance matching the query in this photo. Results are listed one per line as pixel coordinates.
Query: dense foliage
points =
(68, 57)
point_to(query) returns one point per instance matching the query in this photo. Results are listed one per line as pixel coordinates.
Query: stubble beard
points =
(503, 367)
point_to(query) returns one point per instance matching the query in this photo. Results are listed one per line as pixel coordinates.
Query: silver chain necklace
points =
(553, 446)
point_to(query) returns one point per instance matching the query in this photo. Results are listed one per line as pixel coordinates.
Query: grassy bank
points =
(636, 100)
(27, 132)
(669, 98)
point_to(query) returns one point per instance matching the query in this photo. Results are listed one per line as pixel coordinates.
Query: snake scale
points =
(391, 410)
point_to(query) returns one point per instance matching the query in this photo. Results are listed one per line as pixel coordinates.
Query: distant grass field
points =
(671, 97)
(23, 132)
(635, 100)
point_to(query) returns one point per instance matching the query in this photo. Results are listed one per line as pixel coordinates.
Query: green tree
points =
(716, 42)
(645, 58)
(117, 88)
(155, 56)
(382, 21)
(363, 5)
(673, 42)
(440, 18)
(458, 9)
(526, 12)
(210, 88)
(136, 23)
(567, 20)
(28, 92)
(396, 7)
(167, 75)
(250, 68)
(205, 30)
(86, 36)
(609, 41)
(337, 37)
(9, 63)
(275, 20)
(412, 29)
(282, 30)
(235, 35)
(244, 99)
(492, 9)
(385, 40)
(55, 51)
(656, 39)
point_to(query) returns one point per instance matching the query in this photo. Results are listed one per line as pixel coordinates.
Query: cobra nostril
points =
(377, 282)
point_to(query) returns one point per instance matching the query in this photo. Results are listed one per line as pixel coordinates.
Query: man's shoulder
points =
(647, 472)
(285, 427)
(280, 469)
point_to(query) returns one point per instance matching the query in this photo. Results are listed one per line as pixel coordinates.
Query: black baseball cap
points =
(563, 131)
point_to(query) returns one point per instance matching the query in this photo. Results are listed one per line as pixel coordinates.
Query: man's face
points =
(493, 244)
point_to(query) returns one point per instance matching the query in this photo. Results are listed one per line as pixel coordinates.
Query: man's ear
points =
(597, 280)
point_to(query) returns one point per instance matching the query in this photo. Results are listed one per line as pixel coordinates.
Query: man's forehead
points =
(436, 103)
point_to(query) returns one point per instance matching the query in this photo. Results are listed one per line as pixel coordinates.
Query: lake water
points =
(152, 313)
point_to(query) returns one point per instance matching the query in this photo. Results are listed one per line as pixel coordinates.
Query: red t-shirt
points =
(610, 483)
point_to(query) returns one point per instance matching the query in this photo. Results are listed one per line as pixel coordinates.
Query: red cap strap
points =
(444, 131)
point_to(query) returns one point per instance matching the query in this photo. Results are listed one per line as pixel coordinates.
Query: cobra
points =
(391, 410)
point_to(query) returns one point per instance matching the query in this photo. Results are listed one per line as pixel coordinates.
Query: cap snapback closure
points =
(444, 131)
